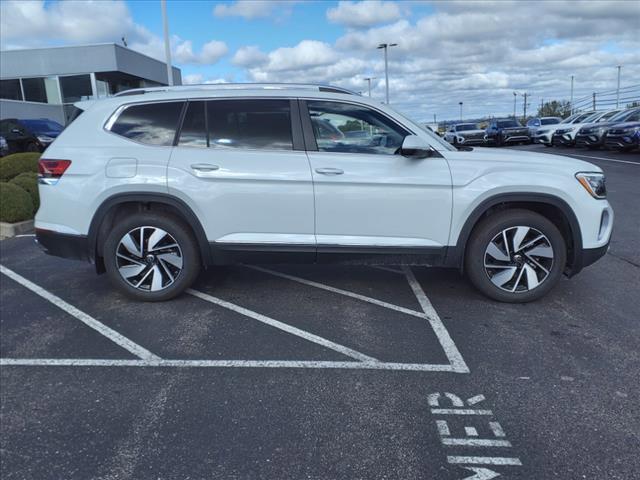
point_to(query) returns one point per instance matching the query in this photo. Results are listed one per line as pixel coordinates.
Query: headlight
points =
(593, 183)
(45, 139)
(631, 130)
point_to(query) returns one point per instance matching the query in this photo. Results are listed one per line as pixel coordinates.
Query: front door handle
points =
(205, 167)
(329, 171)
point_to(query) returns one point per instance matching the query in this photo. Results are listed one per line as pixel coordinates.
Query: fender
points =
(162, 198)
(455, 254)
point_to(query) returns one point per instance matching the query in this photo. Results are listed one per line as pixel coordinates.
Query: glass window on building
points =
(76, 88)
(10, 89)
(41, 89)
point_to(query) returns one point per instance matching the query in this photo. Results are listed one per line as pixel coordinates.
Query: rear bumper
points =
(622, 141)
(63, 244)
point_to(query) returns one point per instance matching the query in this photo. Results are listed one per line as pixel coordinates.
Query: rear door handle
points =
(329, 171)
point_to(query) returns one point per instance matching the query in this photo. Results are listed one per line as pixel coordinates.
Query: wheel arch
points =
(124, 203)
(551, 207)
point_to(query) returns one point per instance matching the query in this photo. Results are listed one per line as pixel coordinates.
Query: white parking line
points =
(450, 349)
(88, 320)
(304, 364)
(282, 326)
(346, 293)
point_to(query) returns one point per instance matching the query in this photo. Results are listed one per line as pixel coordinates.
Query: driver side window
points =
(349, 128)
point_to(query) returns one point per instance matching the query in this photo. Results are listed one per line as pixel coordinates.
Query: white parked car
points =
(566, 135)
(465, 134)
(545, 133)
(156, 184)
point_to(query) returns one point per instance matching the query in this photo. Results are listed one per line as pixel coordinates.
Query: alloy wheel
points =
(149, 258)
(518, 259)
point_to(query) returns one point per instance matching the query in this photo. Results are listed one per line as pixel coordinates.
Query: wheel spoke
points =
(515, 285)
(503, 277)
(129, 271)
(129, 259)
(518, 237)
(130, 244)
(156, 279)
(494, 251)
(528, 244)
(166, 269)
(537, 264)
(157, 235)
(532, 277)
(144, 277)
(540, 251)
(171, 258)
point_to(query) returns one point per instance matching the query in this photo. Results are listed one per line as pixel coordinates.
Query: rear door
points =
(241, 165)
(370, 199)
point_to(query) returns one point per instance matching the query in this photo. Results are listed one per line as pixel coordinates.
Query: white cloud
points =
(308, 53)
(251, 9)
(365, 13)
(249, 56)
(193, 79)
(36, 23)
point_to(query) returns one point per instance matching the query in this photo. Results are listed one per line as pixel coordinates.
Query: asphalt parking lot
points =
(309, 372)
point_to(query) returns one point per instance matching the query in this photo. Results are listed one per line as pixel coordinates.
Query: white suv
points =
(155, 184)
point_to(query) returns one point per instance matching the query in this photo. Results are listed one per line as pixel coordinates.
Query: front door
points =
(237, 164)
(370, 199)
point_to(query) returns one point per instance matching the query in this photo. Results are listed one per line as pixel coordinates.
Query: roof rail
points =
(238, 86)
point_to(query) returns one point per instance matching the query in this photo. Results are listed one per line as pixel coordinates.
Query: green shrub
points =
(29, 181)
(13, 165)
(15, 203)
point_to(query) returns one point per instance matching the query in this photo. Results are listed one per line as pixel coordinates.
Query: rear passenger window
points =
(151, 123)
(194, 131)
(254, 124)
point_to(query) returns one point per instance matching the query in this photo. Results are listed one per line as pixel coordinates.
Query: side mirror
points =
(17, 131)
(415, 147)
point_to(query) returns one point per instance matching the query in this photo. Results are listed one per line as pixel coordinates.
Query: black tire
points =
(187, 247)
(31, 147)
(492, 226)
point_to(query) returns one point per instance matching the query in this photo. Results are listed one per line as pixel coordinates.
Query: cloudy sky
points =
(477, 52)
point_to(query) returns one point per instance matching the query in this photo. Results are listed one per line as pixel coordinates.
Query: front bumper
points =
(544, 138)
(75, 247)
(589, 140)
(563, 139)
(622, 141)
(472, 141)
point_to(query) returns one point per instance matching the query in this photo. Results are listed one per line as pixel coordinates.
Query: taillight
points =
(50, 171)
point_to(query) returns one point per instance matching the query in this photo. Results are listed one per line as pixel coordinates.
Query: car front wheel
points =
(151, 257)
(515, 256)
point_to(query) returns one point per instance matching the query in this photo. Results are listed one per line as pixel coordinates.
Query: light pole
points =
(385, 47)
(167, 47)
(515, 95)
(618, 89)
(460, 103)
(571, 95)
(368, 79)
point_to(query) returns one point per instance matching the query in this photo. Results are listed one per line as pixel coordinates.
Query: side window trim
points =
(296, 125)
(176, 137)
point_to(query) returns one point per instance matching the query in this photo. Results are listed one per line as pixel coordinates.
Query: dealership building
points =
(45, 82)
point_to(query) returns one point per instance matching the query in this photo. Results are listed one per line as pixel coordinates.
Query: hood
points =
(625, 125)
(501, 159)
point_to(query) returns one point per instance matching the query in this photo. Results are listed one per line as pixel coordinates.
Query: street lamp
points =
(368, 79)
(571, 112)
(385, 47)
(619, 67)
(515, 95)
(167, 48)
(460, 103)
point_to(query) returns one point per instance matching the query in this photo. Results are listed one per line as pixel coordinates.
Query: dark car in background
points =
(33, 135)
(593, 135)
(505, 131)
(624, 136)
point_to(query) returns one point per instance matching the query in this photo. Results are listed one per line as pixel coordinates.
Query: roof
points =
(238, 86)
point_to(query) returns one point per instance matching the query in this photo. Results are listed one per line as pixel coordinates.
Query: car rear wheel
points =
(515, 256)
(151, 257)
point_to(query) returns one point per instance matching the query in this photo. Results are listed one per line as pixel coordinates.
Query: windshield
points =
(508, 124)
(38, 126)
(466, 127)
(621, 116)
(435, 141)
(585, 117)
(608, 115)
(571, 118)
(550, 121)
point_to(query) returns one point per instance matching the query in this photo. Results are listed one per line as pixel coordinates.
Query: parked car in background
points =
(4, 147)
(544, 134)
(33, 135)
(503, 131)
(536, 123)
(566, 136)
(624, 136)
(465, 134)
(593, 135)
